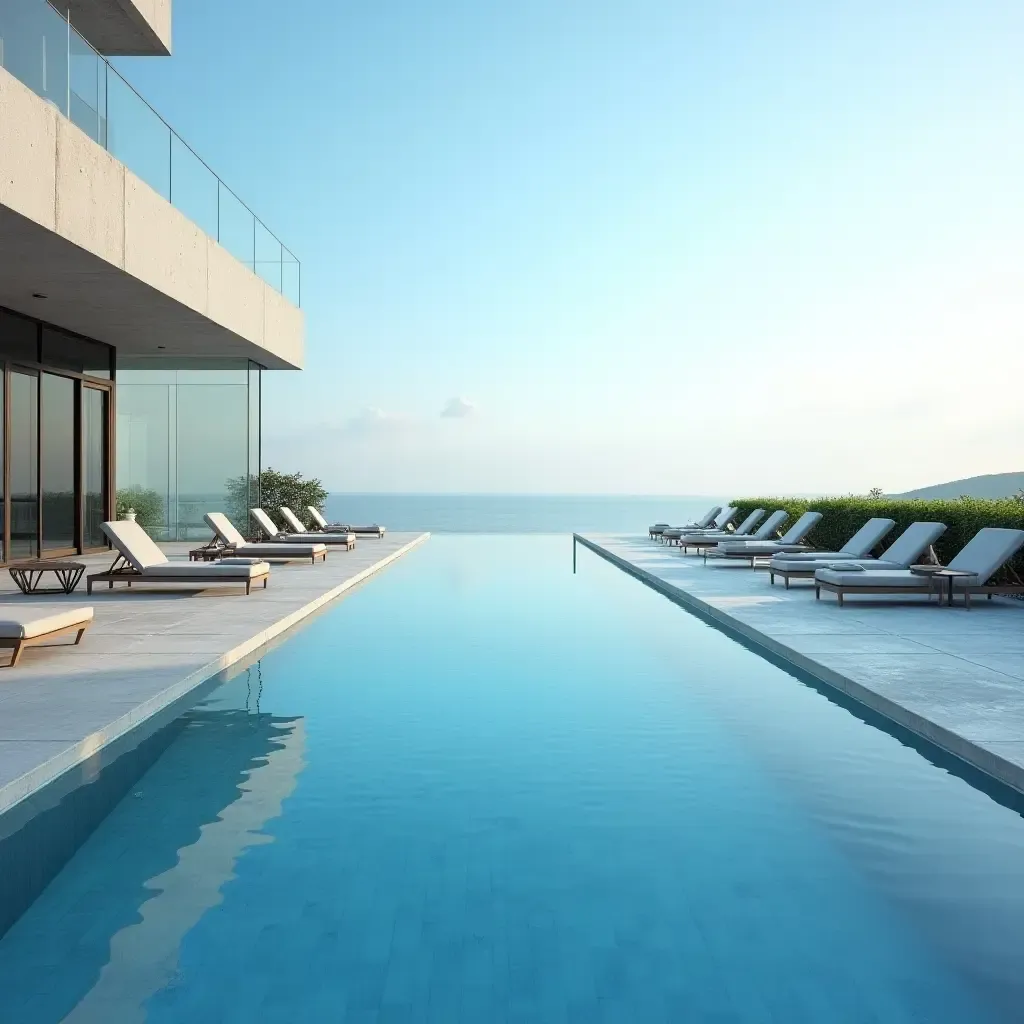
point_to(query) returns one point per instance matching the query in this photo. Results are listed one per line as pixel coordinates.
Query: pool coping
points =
(25, 786)
(991, 764)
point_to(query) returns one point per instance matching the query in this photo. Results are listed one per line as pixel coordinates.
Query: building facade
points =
(140, 299)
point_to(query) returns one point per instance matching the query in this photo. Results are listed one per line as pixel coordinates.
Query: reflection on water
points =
(145, 878)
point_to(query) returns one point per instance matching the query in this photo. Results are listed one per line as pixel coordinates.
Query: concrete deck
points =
(147, 648)
(952, 676)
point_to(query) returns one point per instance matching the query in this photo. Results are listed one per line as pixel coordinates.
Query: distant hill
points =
(993, 485)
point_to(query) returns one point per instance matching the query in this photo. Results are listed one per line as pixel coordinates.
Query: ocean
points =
(516, 513)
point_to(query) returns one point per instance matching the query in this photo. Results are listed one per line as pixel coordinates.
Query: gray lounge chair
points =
(322, 526)
(752, 550)
(658, 529)
(677, 534)
(139, 560)
(859, 545)
(26, 625)
(346, 540)
(233, 541)
(989, 549)
(766, 531)
(901, 553)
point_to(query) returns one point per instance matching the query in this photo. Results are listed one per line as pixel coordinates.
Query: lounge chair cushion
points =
(294, 523)
(752, 547)
(908, 546)
(278, 550)
(132, 541)
(24, 621)
(264, 522)
(796, 563)
(247, 570)
(986, 551)
(224, 528)
(860, 544)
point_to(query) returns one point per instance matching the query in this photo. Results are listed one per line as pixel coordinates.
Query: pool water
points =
(482, 788)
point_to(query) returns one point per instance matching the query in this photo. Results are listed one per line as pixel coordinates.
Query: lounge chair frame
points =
(16, 644)
(987, 589)
(122, 571)
(753, 559)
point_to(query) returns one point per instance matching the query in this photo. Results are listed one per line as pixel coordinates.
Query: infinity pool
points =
(482, 788)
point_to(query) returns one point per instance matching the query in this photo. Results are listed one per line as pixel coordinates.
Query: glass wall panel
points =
(69, 352)
(213, 448)
(19, 338)
(58, 461)
(2, 503)
(24, 471)
(94, 466)
(88, 93)
(145, 431)
(187, 440)
(255, 421)
(34, 48)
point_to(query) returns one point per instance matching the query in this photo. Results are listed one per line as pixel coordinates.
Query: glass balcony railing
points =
(41, 48)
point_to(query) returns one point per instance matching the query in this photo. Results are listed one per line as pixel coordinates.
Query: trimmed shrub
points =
(148, 505)
(841, 518)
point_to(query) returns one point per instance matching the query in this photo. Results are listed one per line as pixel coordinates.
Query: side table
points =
(28, 575)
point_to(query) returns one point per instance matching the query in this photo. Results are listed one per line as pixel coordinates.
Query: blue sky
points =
(628, 246)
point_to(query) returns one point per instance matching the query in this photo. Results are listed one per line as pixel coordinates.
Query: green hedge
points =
(841, 518)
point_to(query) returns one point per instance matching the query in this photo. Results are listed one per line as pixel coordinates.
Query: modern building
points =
(140, 298)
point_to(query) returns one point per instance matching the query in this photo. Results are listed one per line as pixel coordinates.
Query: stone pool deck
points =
(952, 676)
(147, 649)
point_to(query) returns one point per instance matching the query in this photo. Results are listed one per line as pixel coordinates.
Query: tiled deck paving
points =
(953, 676)
(147, 648)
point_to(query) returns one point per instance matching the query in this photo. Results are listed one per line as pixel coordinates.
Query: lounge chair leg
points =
(16, 654)
(265, 581)
(787, 583)
(79, 635)
(839, 594)
(248, 585)
(817, 593)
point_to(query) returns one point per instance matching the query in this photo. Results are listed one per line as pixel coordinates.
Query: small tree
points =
(148, 505)
(274, 490)
(875, 492)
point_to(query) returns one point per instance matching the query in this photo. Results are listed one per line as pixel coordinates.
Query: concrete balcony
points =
(88, 245)
(139, 28)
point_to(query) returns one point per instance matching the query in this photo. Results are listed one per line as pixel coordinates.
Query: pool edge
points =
(1001, 770)
(26, 786)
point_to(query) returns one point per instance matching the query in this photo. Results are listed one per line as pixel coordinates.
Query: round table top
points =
(39, 565)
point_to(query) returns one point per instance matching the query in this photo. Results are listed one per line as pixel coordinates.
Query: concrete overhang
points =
(114, 260)
(122, 28)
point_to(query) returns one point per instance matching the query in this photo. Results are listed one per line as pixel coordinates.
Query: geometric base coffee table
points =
(28, 574)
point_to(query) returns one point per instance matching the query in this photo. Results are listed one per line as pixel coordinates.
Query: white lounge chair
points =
(346, 540)
(226, 534)
(28, 625)
(752, 550)
(766, 531)
(989, 549)
(677, 534)
(139, 560)
(326, 527)
(900, 554)
(703, 523)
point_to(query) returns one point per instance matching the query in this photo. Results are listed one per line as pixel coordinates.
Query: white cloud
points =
(372, 421)
(458, 409)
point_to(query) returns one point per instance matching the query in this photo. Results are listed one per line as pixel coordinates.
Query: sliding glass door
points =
(24, 467)
(94, 465)
(57, 464)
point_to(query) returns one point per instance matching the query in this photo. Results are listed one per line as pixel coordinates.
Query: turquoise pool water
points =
(484, 789)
